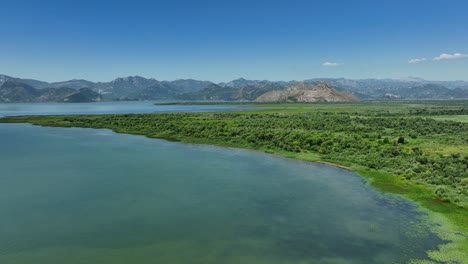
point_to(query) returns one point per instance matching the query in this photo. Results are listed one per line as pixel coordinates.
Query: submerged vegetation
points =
(417, 149)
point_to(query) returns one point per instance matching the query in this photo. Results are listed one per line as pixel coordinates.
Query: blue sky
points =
(223, 40)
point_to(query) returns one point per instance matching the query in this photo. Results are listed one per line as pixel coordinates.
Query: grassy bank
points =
(414, 149)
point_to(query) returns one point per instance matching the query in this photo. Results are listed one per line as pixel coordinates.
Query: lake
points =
(74, 195)
(105, 108)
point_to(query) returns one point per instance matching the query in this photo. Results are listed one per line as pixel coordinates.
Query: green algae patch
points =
(447, 221)
(455, 251)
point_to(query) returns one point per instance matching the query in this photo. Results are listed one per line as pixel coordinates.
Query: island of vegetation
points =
(415, 149)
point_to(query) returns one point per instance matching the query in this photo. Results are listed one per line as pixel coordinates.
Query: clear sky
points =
(216, 40)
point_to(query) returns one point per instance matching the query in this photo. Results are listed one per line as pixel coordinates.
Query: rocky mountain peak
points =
(323, 85)
(129, 79)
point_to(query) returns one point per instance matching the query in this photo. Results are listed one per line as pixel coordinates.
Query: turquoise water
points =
(73, 195)
(104, 108)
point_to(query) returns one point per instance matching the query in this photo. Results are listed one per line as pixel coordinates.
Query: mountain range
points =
(13, 89)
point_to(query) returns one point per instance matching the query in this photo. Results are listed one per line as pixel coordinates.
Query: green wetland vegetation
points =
(417, 149)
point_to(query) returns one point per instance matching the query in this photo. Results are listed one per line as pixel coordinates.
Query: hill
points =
(303, 92)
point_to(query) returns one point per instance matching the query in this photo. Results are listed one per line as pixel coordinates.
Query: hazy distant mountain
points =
(14, 91)
(426, 91)
(158, 91)
(83, 95)
(140, 88)
(407, 88)
(432, 91)
(54, 94)
(34, 83)
(248, 92)
(131, 82)
(304, 92)
(73, 84)
(213, 92)
(132, 87)
(239, 82)
(123, 87)
(460, 93)
(166, 90)
(187, 85)
(137, 87)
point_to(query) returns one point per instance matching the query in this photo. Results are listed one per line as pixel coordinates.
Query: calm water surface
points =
(73, 195)
(15, 109)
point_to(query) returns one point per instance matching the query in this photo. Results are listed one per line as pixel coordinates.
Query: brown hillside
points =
(303, 92)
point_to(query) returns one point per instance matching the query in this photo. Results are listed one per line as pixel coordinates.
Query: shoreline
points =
(442, 215)
(455, 237)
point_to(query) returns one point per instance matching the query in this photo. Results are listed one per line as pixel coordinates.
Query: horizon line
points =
(239, 78)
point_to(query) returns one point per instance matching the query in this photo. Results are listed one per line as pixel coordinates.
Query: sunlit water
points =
(72, 195)
(104, 108)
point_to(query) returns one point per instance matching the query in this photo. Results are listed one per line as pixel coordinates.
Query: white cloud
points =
(450, 56)
(331, 64)
(417, 60)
